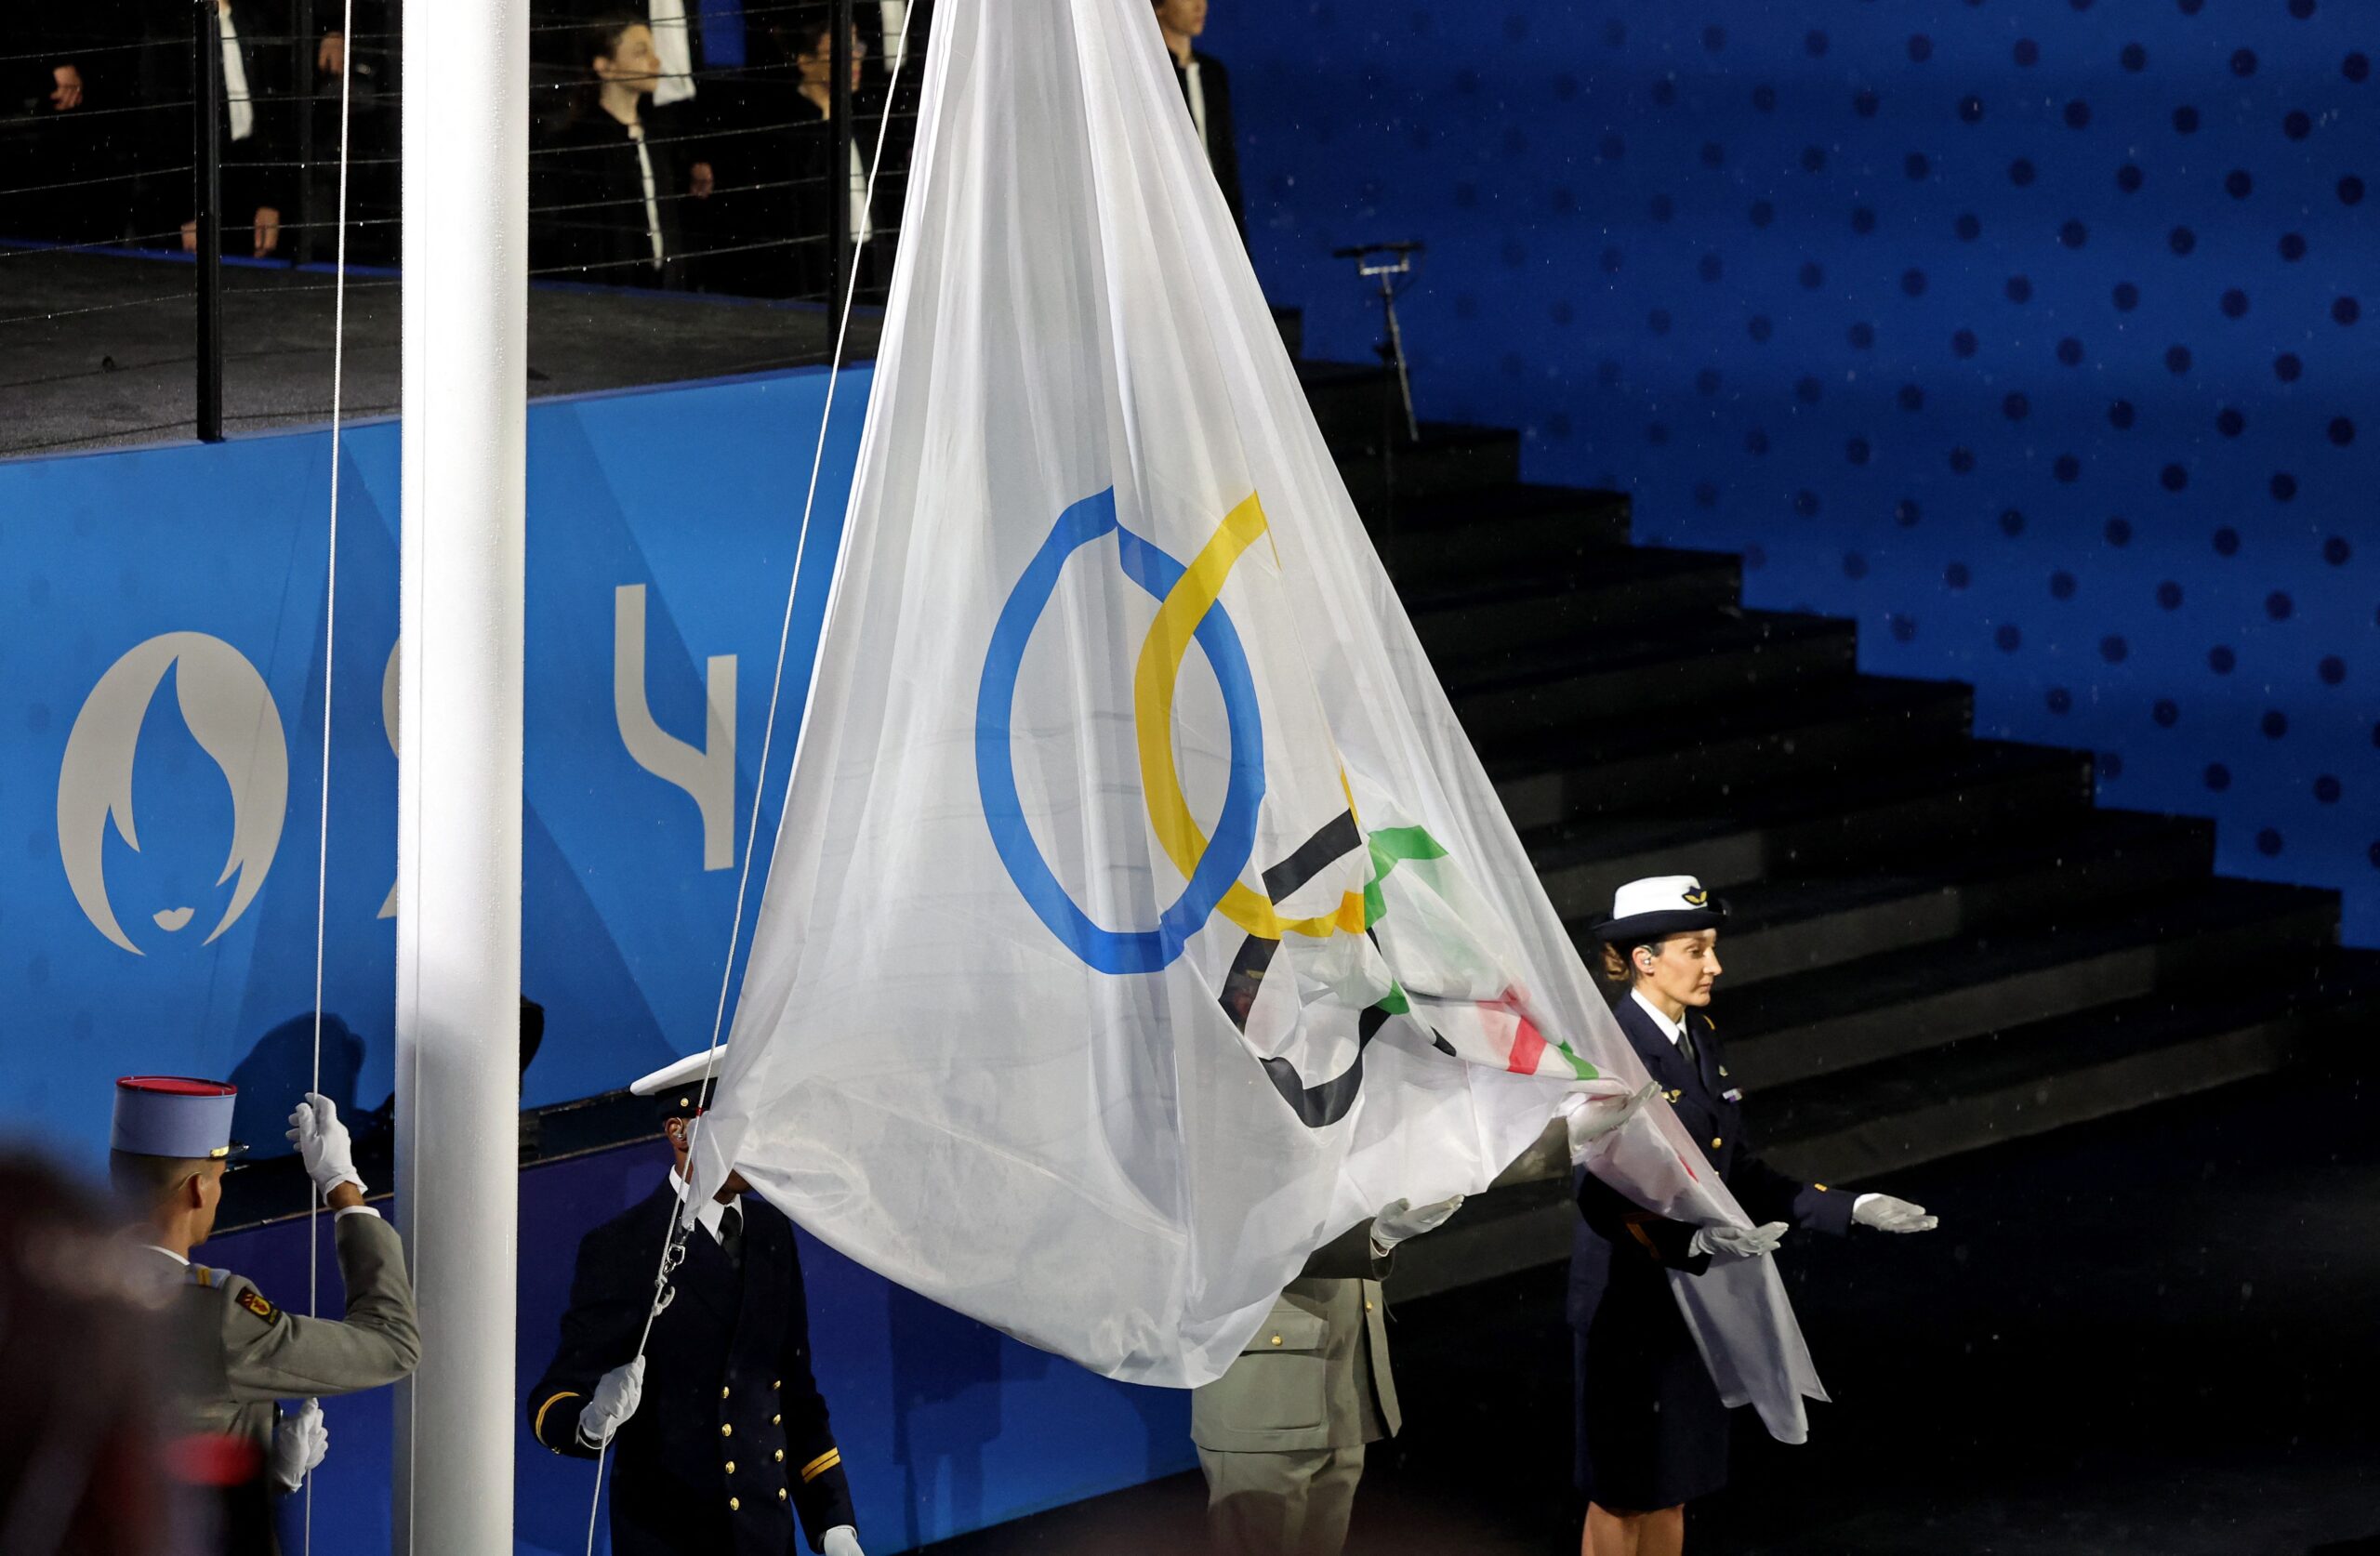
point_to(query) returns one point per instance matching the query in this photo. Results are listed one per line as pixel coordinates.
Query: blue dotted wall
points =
(2036, 334)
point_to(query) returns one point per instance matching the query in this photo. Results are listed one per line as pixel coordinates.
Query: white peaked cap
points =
(1659, 906)
(1659, 894)
(688, 1070)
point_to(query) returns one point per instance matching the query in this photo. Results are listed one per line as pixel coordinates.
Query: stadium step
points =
(1290, 322)
(1462, 620)
(1889, 820)
(1353, 402)
(1451, 456)
(1597, 676)
(1902, 1002)
(1937, 941)
(1723, 753)
(1468, 537)
(2005, 1084)
(1781, 927)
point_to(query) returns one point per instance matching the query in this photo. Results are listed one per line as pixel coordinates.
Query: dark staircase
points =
(1937, 941)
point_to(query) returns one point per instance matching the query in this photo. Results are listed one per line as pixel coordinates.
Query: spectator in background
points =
(373, 136)
(606, 182)
(701, 48)
(893, 32)
(1206, 87)
(780, 219)
(252, 104)
(80, 1454)
(64, 64)
(46, 139)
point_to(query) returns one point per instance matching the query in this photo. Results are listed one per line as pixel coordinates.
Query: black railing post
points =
(308, 81)
(839, 229)
(206, 161)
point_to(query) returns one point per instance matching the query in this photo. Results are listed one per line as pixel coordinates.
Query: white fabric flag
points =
(1140, 917)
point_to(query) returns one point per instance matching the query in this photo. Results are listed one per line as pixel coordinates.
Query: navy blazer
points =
(1618, 1246)
(732, 1433)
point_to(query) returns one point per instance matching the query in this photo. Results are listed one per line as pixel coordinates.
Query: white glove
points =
(1401, 1218)
(616, 1395)
(323, 1144)
(1738, 1242)
(298, 1444)
(1590, 1116)
(842, 1540)
(1888, 1214)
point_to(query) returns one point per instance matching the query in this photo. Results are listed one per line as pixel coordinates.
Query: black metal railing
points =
(146, 145)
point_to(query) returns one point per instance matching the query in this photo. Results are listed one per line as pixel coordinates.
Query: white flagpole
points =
(459, 770)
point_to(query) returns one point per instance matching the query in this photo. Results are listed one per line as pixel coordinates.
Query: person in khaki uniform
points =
(1281, 1434)
(237, 1354)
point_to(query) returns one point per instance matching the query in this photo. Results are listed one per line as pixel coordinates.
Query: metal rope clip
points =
(664, 1293)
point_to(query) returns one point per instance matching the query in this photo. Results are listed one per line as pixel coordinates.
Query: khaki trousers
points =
(1280, 1504)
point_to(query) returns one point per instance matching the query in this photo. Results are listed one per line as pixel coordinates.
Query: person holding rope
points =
(237, 1355)
(735, 1439)
(1652, 1430)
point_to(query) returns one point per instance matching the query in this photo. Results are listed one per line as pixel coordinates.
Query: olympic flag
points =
(1140, 917)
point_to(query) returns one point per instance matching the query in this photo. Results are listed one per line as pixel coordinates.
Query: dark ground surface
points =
(98, 350)
(2158, 1334)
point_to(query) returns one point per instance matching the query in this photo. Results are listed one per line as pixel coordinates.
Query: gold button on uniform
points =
(776, 1420)
(780, 1493)
(733, 1505)
(776, 1383)
(731, 1467)
(1276, 1339)
(780, 1456)
(726, 1431)
(722, 1393)
(1715, 1142)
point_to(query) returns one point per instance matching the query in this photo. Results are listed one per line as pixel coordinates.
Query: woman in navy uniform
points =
(1652, 1434)
(735, 1439)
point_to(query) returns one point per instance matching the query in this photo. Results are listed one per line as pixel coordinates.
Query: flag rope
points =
(673, 1244)
(330, 661)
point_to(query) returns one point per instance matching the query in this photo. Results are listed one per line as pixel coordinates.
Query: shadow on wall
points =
(279, 1070)
(2029, 334)
(945, 1409)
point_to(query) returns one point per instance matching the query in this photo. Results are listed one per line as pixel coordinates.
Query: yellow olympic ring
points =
(1153, 681)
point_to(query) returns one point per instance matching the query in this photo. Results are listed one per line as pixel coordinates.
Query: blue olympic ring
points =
(1234, 843)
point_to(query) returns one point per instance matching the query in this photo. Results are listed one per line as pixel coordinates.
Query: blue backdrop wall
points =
(2030, 333)
(130, 945)
(163, 652)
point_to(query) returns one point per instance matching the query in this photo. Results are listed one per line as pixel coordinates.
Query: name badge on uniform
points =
(1733, 1094)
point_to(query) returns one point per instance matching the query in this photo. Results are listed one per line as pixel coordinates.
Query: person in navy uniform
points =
(735, 1439)
(1652, 1432)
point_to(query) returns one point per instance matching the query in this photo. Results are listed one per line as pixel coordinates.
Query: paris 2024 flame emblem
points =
(231, 716)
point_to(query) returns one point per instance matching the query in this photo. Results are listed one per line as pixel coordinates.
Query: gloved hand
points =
(1401, 1218)
(842, 1540)
(1589, 1116)
(616, 1395)
(298, 1444)
(323, 1144)
(1737, 1242)
(1888, 1214)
